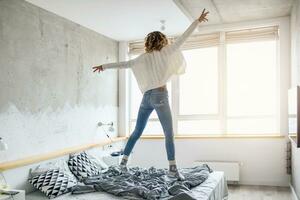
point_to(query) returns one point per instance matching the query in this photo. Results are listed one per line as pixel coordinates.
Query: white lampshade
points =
(3, 145)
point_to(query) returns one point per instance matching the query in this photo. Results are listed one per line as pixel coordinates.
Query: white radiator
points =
(230, 169)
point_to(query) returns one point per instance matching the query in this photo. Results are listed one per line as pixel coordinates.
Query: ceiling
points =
(121, 20)
(126, 20)
(228, 11)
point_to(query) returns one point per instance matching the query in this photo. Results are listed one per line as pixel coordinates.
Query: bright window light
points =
(152, 128)
(251, 78)
(252, 126)
(191, 127)
(198, 87)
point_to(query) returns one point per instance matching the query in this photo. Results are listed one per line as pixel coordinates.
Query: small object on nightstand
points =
(117, 153)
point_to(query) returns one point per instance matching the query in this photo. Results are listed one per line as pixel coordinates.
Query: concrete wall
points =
(295, 61)
(49, 96)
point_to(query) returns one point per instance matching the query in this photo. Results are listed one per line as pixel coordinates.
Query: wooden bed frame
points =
(54, 154)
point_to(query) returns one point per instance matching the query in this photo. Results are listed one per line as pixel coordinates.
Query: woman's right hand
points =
(98, 68)
(203, 18)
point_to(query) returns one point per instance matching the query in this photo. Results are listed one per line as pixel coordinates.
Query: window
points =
(251, 78)
(198, 88)
(199, 126)
(198, 93)
(251, 87)
(230, 86)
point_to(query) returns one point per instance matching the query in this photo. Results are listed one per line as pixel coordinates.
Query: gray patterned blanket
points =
(152, 183)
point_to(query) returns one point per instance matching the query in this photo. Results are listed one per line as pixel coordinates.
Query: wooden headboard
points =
(54, 154)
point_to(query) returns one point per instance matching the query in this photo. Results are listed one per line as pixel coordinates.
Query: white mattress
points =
(214, 188)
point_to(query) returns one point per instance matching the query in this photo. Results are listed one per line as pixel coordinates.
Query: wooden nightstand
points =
(19, 196)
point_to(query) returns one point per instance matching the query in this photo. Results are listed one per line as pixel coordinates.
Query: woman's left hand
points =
(203, 18)
(98, 68)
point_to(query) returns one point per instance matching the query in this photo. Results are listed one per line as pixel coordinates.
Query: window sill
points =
(228, 136)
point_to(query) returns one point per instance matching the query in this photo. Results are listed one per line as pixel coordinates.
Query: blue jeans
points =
(155, 99)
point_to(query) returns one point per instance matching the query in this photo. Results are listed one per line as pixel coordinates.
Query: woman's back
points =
(155, 68)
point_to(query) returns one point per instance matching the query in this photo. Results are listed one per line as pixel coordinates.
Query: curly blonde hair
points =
(155, 41)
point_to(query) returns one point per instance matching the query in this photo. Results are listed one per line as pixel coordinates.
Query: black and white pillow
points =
(82, 166)
(53, 183)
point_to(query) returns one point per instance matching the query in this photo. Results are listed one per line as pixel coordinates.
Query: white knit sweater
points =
(155, 69)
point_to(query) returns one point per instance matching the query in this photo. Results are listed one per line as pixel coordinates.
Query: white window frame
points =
(283, 78)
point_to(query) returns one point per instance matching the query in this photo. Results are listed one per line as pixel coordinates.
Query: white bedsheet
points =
(214, 188)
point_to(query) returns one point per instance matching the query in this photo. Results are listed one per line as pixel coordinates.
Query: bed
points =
(213, 188)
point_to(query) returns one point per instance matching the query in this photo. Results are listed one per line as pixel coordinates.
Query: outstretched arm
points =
(120, 65)
(181, 39)
(124, 64)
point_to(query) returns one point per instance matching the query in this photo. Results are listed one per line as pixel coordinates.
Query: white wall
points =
(262, 159)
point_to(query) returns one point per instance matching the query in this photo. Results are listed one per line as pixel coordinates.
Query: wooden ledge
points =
(54, 154)
(227, 136)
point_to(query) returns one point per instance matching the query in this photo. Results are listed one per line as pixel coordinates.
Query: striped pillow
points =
(53, 183)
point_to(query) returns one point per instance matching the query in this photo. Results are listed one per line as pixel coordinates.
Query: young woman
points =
(153, 70)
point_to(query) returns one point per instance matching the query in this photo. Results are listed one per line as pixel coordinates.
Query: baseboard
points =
(262, 183)
(293, 193)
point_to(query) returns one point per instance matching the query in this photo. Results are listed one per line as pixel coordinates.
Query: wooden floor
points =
(259, 193)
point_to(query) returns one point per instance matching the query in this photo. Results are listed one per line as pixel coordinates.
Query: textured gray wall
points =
(49, 97)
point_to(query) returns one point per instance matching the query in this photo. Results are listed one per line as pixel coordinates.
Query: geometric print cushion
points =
(82, 167)
(53, 183)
